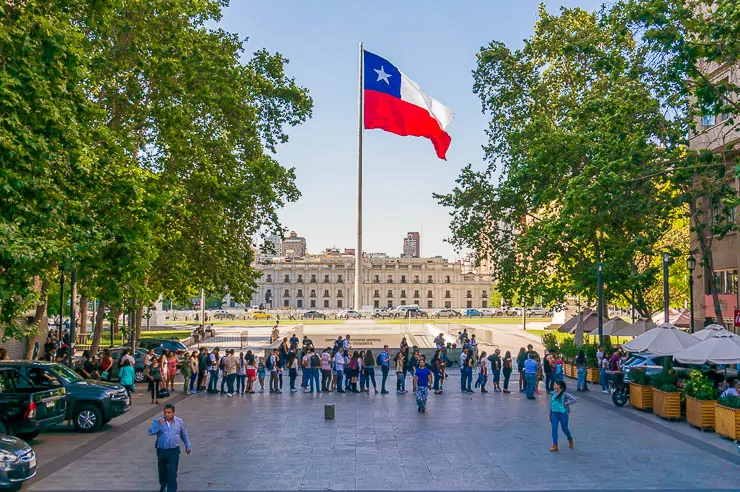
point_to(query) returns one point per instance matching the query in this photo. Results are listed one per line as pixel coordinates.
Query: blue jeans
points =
(604, 377)
(469, 378)
(531, 380)
(549, 382)
(463, 377)
(400, 381)
(560, 418)
(213, 380)
(340, 377)
(367, 377)
(437, 378)
(241, 383)
(581, 379)
(224, 380)
(167, 463)
(314, 379)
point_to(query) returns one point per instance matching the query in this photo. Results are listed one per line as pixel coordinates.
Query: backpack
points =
(222, 363)
(268, 363)
(315, 361)
(353, 364)
(559, 369)
(378, 360)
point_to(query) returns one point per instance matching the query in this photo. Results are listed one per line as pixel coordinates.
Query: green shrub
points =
(550, 341)
(568, 349)
(700, 387)
(639, 377)
(664, 381)
(590, 352)
(729, 401)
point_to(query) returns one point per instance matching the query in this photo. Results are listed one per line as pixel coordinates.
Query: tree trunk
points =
(39, 320)
(139, 314)
(704, 240)
(83, 315)
(116, 314)
(98, 328)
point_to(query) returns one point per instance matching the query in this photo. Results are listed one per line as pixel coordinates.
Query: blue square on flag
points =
(381, 75)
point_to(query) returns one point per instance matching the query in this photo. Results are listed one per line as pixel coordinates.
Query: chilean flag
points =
(394, 103)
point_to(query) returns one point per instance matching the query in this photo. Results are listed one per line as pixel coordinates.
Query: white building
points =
(321, 282)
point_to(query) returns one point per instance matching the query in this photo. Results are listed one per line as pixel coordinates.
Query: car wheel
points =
(139, 376)
(28, 436)
(88, 418)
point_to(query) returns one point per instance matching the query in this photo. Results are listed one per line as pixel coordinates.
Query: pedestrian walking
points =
(261, 372)
(521, 358)
(507, 370)
(169, 431)
(581, 367)
(186, 369)
(400, 373)
(485, 365)
(530, 374)
(126, 375)
(385, 361)
(171, 369)
(154, 375)
(560, 404)
(422, 380)
(369, 371)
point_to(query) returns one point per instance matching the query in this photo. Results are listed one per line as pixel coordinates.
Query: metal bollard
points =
(329, 411)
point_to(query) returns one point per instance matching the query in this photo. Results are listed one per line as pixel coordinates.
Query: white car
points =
(538, 311)
(382, 313)
(350, 314)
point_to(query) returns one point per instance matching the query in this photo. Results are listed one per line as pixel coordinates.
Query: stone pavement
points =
(463, 442)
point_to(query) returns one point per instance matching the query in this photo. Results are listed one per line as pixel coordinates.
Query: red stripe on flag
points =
(397, 116)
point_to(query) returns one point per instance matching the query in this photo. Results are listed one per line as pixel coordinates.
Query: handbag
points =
(104, 375)
(163, 393)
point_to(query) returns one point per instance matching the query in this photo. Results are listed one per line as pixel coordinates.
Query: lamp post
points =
(691, 266)
(666, 314)
(600, 292)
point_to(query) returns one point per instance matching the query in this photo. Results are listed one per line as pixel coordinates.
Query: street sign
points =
(737, 318)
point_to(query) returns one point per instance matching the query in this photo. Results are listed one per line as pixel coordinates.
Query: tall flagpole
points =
(358, 250)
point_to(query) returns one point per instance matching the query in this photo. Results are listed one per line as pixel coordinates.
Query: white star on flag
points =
(382, 75)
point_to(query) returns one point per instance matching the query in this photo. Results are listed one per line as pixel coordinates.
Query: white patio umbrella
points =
(611, 327)
(635, 329)
(717, 349)
(665, 339)
(713, 330)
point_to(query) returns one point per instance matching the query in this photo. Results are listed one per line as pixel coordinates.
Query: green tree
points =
(572, 125)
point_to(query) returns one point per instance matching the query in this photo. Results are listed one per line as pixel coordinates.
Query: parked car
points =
(472, 313)
(17, 462)
(139, 365)
(382, 313)
(487, 312)
(314, 315)
(89, 403)
(27, 407)
(350, 314)
(650, 363)
(446, 313)
(171, 344)
(538, 311)
(409, 312)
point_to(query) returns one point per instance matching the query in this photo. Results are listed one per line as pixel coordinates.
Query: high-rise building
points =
(293, 246)
(412, 245)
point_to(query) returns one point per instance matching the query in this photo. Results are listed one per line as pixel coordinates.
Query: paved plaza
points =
(464, 442)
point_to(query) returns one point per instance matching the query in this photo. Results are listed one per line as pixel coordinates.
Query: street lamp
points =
(691, 266)
(600, 292)
(666, 314)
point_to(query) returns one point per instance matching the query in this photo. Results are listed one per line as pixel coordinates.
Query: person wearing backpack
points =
(326, 369)
(213, 359)
(339, 369)
(384, 361)
(400, 372)
(222, 371)
(354, 371)
(273, 364)
(315, 365)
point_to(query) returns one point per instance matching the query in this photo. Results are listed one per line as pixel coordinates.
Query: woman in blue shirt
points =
(126, 375)
(559, 412)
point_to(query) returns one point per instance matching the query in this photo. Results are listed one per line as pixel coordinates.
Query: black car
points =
(26, 407)
(89, 403)
(313, 315)
(18, 462)
(139, 365)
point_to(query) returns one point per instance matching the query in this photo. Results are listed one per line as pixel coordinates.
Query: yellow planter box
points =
(641, 397)
(727, 421)
(700, 413)
(593, 375)
(570, 371)
(667, 404)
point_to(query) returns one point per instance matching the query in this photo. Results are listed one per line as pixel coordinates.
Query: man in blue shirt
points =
(385, 363)
(530, 375)
(422, 379)
(169, 431)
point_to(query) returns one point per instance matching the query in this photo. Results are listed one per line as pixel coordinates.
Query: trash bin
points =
(329, 411)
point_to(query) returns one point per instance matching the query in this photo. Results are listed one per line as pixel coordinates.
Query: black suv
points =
(90, 404)
(27, 407)
(173, 345)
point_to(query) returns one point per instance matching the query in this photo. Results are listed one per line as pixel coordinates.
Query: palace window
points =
(447, 279)
(287, 279)
(326, 303)
(430, 304)
(300, 279)
(340, 280)
(339, 303)
(448, 295)
(326, 293)
(403, 293)
(339, 293)
(390, 293)
(313, 293)
(377, 293)
(299, 303)
(429, 294)
(403, 279)
(286, 293)
(469, 294)
(416, 279)
(269, 278)
(300, 293)
(313, 278)
(313, 303)
(416, 293)
(390, 279)
(429, 280)
(326, 279)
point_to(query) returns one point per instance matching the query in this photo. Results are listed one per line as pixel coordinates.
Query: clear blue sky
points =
(434, 43)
